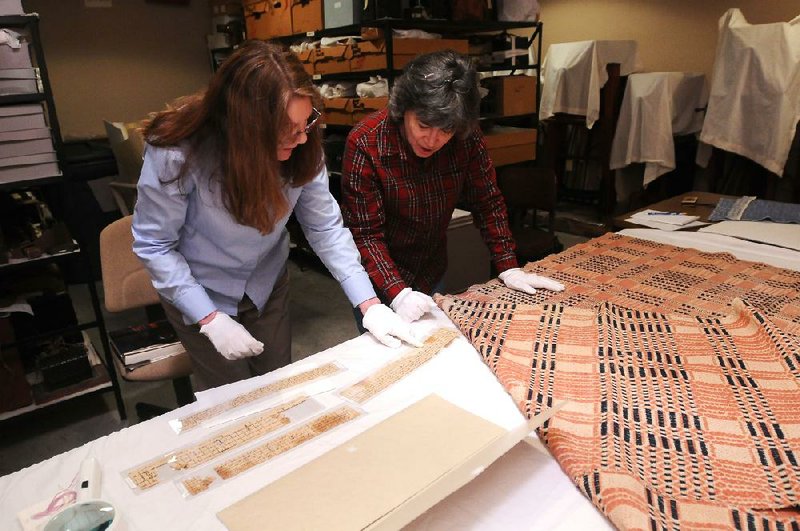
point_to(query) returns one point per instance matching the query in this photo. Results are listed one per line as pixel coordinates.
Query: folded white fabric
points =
(333, 41)
(376, 87)
(9, 37)
(414, 34)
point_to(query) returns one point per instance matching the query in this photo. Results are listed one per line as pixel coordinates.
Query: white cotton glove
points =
(411, 305)
(388, 327)
(230, 338)
(528, 282)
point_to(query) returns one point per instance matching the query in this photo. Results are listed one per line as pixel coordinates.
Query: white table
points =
(656, 107)
(525, 489)
(574, 72)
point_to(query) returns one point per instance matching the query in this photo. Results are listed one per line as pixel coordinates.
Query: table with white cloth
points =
(524, 489)
(574, 72)
(657, 106)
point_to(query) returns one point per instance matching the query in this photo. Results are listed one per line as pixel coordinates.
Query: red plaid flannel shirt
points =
(398, 206)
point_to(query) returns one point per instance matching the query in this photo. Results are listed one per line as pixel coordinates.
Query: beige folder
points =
(384, 477)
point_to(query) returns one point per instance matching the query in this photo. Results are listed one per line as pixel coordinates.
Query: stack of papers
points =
(657, 219)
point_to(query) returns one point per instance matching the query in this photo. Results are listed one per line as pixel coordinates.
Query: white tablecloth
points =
(574, 72)
(656, 107)
(754, 104)
(527, 488)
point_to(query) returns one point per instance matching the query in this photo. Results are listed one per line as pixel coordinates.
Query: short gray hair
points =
(442, 89)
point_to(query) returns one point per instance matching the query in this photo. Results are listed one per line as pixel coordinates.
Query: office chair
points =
(127, 144)
(127, 285)
(527, 190)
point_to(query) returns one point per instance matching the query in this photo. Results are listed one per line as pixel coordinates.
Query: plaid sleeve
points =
(488, 205)
(362, 208)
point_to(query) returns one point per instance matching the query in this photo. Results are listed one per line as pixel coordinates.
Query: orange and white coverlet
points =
(685, 409)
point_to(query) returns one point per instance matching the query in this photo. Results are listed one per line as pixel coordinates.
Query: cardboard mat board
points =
(384, 477)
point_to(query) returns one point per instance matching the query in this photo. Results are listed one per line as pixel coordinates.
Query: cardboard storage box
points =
(11, 7)
(350, 111)
(27, 167)
(367, 55)
(19, 81)
(306, 16)
(18, 117)
(366, 106)
(24, 134)
(307, 57)
(26, 147)
(332, 59)
(267, 19)
(15, 57)
(511, 95)
(338, 111)
(508, 145)
(407, 49)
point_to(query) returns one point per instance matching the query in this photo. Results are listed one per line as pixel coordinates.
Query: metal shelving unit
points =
(55, 190)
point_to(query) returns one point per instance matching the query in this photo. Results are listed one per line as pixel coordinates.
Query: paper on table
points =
(665, 226)
(664, 217)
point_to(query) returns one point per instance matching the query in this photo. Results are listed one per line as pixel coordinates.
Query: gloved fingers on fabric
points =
(230, 338)
(528, 282)
(411, 305)
(388, 327)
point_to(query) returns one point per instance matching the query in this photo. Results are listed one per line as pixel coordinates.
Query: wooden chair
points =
(127, 144)
(127, 285)
(526, 191)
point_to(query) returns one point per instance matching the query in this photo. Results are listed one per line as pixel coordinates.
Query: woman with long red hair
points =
(223, 170)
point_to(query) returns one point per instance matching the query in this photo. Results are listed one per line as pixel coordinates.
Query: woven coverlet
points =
(673, 421)
(646, 275)
(684, 401)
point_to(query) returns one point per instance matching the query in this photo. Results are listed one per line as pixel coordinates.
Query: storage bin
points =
(15, 57)
(27, 167)
(332, 59)
(19, 117)
(306, 16)
(19, 81)
(407, 49)
(11, 7)
(268, 19)
(367, 55)
(507, 145)
(511, 95)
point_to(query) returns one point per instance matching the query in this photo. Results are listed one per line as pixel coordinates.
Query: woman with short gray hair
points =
(404, 170)
(442, 89)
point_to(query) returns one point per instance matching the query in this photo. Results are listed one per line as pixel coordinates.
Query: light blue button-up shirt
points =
(201, 259)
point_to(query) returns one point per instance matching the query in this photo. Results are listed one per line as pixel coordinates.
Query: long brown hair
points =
(243, 114)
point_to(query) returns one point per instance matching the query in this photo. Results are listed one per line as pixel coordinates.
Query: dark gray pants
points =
(272, 328)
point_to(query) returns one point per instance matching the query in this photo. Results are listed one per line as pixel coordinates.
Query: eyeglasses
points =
(312, 120)
(310, 123)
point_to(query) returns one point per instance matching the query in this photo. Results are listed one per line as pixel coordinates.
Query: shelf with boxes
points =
(43, 344)
(379, 49)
